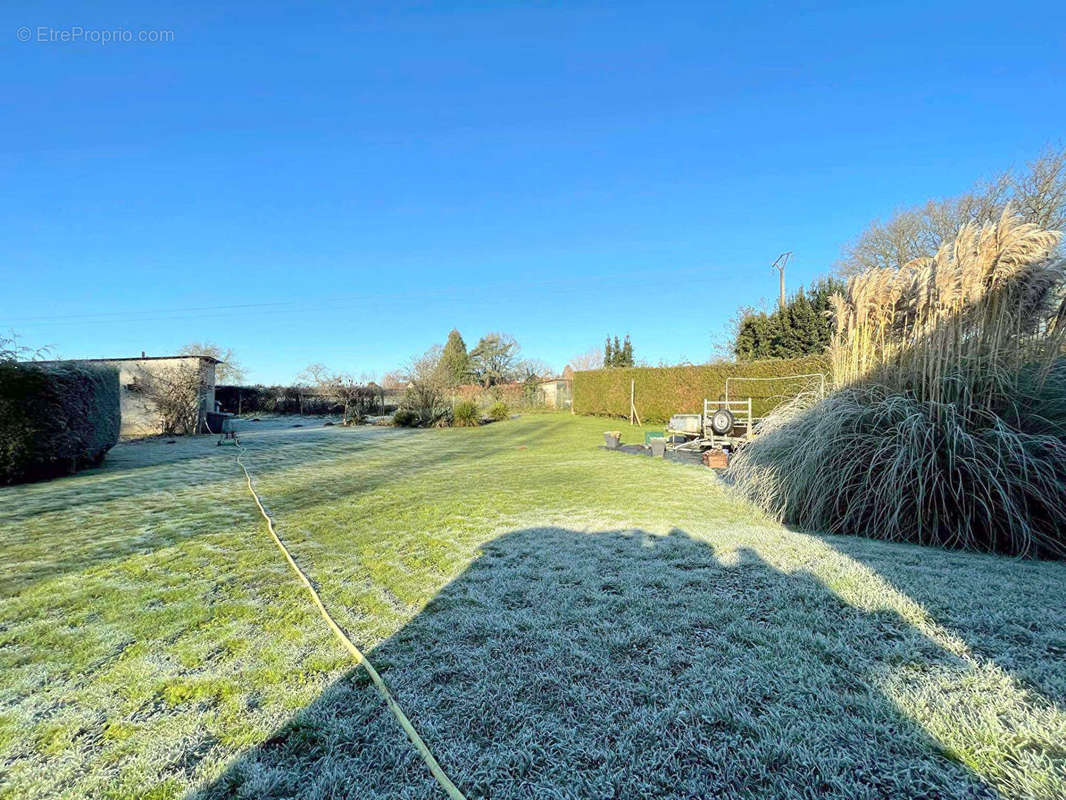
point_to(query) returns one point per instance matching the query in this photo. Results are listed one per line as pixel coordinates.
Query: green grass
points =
(557, 620)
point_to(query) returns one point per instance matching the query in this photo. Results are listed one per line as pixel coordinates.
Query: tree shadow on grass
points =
(619, 664)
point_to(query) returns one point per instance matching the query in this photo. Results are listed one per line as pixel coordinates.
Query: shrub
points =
(465, 414)
(425, 391)
(177, 394)
(515, 395)
(405, 418)
(664, 391)
(499, 411)
(353, 416)
(55, 419)
(948, 425)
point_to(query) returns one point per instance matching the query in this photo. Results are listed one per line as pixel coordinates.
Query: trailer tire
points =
(722, 421)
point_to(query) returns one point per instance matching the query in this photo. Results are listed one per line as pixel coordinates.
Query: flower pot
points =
(716, 459)
(612, 441)
(658, 446)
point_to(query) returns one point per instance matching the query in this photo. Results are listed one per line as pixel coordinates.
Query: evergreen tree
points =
(801, 328)
(617, 353)
(454, 360)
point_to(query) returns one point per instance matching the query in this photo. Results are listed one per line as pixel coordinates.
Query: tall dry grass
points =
(947, 423)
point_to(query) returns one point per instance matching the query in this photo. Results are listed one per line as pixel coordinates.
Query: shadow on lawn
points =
(619, 664)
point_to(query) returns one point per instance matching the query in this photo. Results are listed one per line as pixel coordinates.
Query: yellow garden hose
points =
(431, 762)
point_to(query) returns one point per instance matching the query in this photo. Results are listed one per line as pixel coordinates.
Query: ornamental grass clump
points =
(947, 423)
(466, 414)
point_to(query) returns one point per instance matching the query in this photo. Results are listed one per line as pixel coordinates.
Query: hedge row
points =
(285, 400)
(661, 392)
(272, 400)
(55, 419)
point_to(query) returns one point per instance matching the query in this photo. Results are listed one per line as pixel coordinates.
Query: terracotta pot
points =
(716, 459)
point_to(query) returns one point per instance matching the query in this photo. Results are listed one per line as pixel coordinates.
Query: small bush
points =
(499, 411)
(353, 417)
(405, 418)
(465, 414)
(55, 419)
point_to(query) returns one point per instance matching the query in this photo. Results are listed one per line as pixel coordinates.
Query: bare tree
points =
(536, 367)
(1037, 193)
(394, 380)
(228, 371)
(355, 396)
(590, 359)
(1040, 195)
(11, 350)
(426, 387)
(313, 375)
(177, 394)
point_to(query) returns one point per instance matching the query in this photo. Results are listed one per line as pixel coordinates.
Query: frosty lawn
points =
(557, 620)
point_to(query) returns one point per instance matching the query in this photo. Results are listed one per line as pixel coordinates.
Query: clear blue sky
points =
(360, 180)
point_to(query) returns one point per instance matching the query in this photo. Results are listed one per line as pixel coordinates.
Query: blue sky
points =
(344, 186)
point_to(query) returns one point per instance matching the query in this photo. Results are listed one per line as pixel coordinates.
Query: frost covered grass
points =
(557, 620)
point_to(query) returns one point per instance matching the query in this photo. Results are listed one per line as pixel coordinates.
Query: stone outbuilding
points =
(554, 393)
(140, 417)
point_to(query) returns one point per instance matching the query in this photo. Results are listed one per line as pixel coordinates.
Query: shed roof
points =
(212, 359)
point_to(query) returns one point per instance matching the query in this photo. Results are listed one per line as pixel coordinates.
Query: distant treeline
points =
(294, 400)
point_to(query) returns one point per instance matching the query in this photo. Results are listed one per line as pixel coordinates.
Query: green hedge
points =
(55, 419)
(664, 391)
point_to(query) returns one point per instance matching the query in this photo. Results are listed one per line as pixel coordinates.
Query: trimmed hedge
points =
(664, 391)
(55, 419)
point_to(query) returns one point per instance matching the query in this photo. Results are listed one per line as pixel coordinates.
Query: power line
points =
(346, 301)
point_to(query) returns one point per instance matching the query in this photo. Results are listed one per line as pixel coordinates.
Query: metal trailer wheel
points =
(722, 421)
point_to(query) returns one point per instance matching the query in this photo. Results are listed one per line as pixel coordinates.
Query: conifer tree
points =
(454, 360)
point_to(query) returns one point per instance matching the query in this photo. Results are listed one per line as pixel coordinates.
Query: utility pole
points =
(779, 265)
